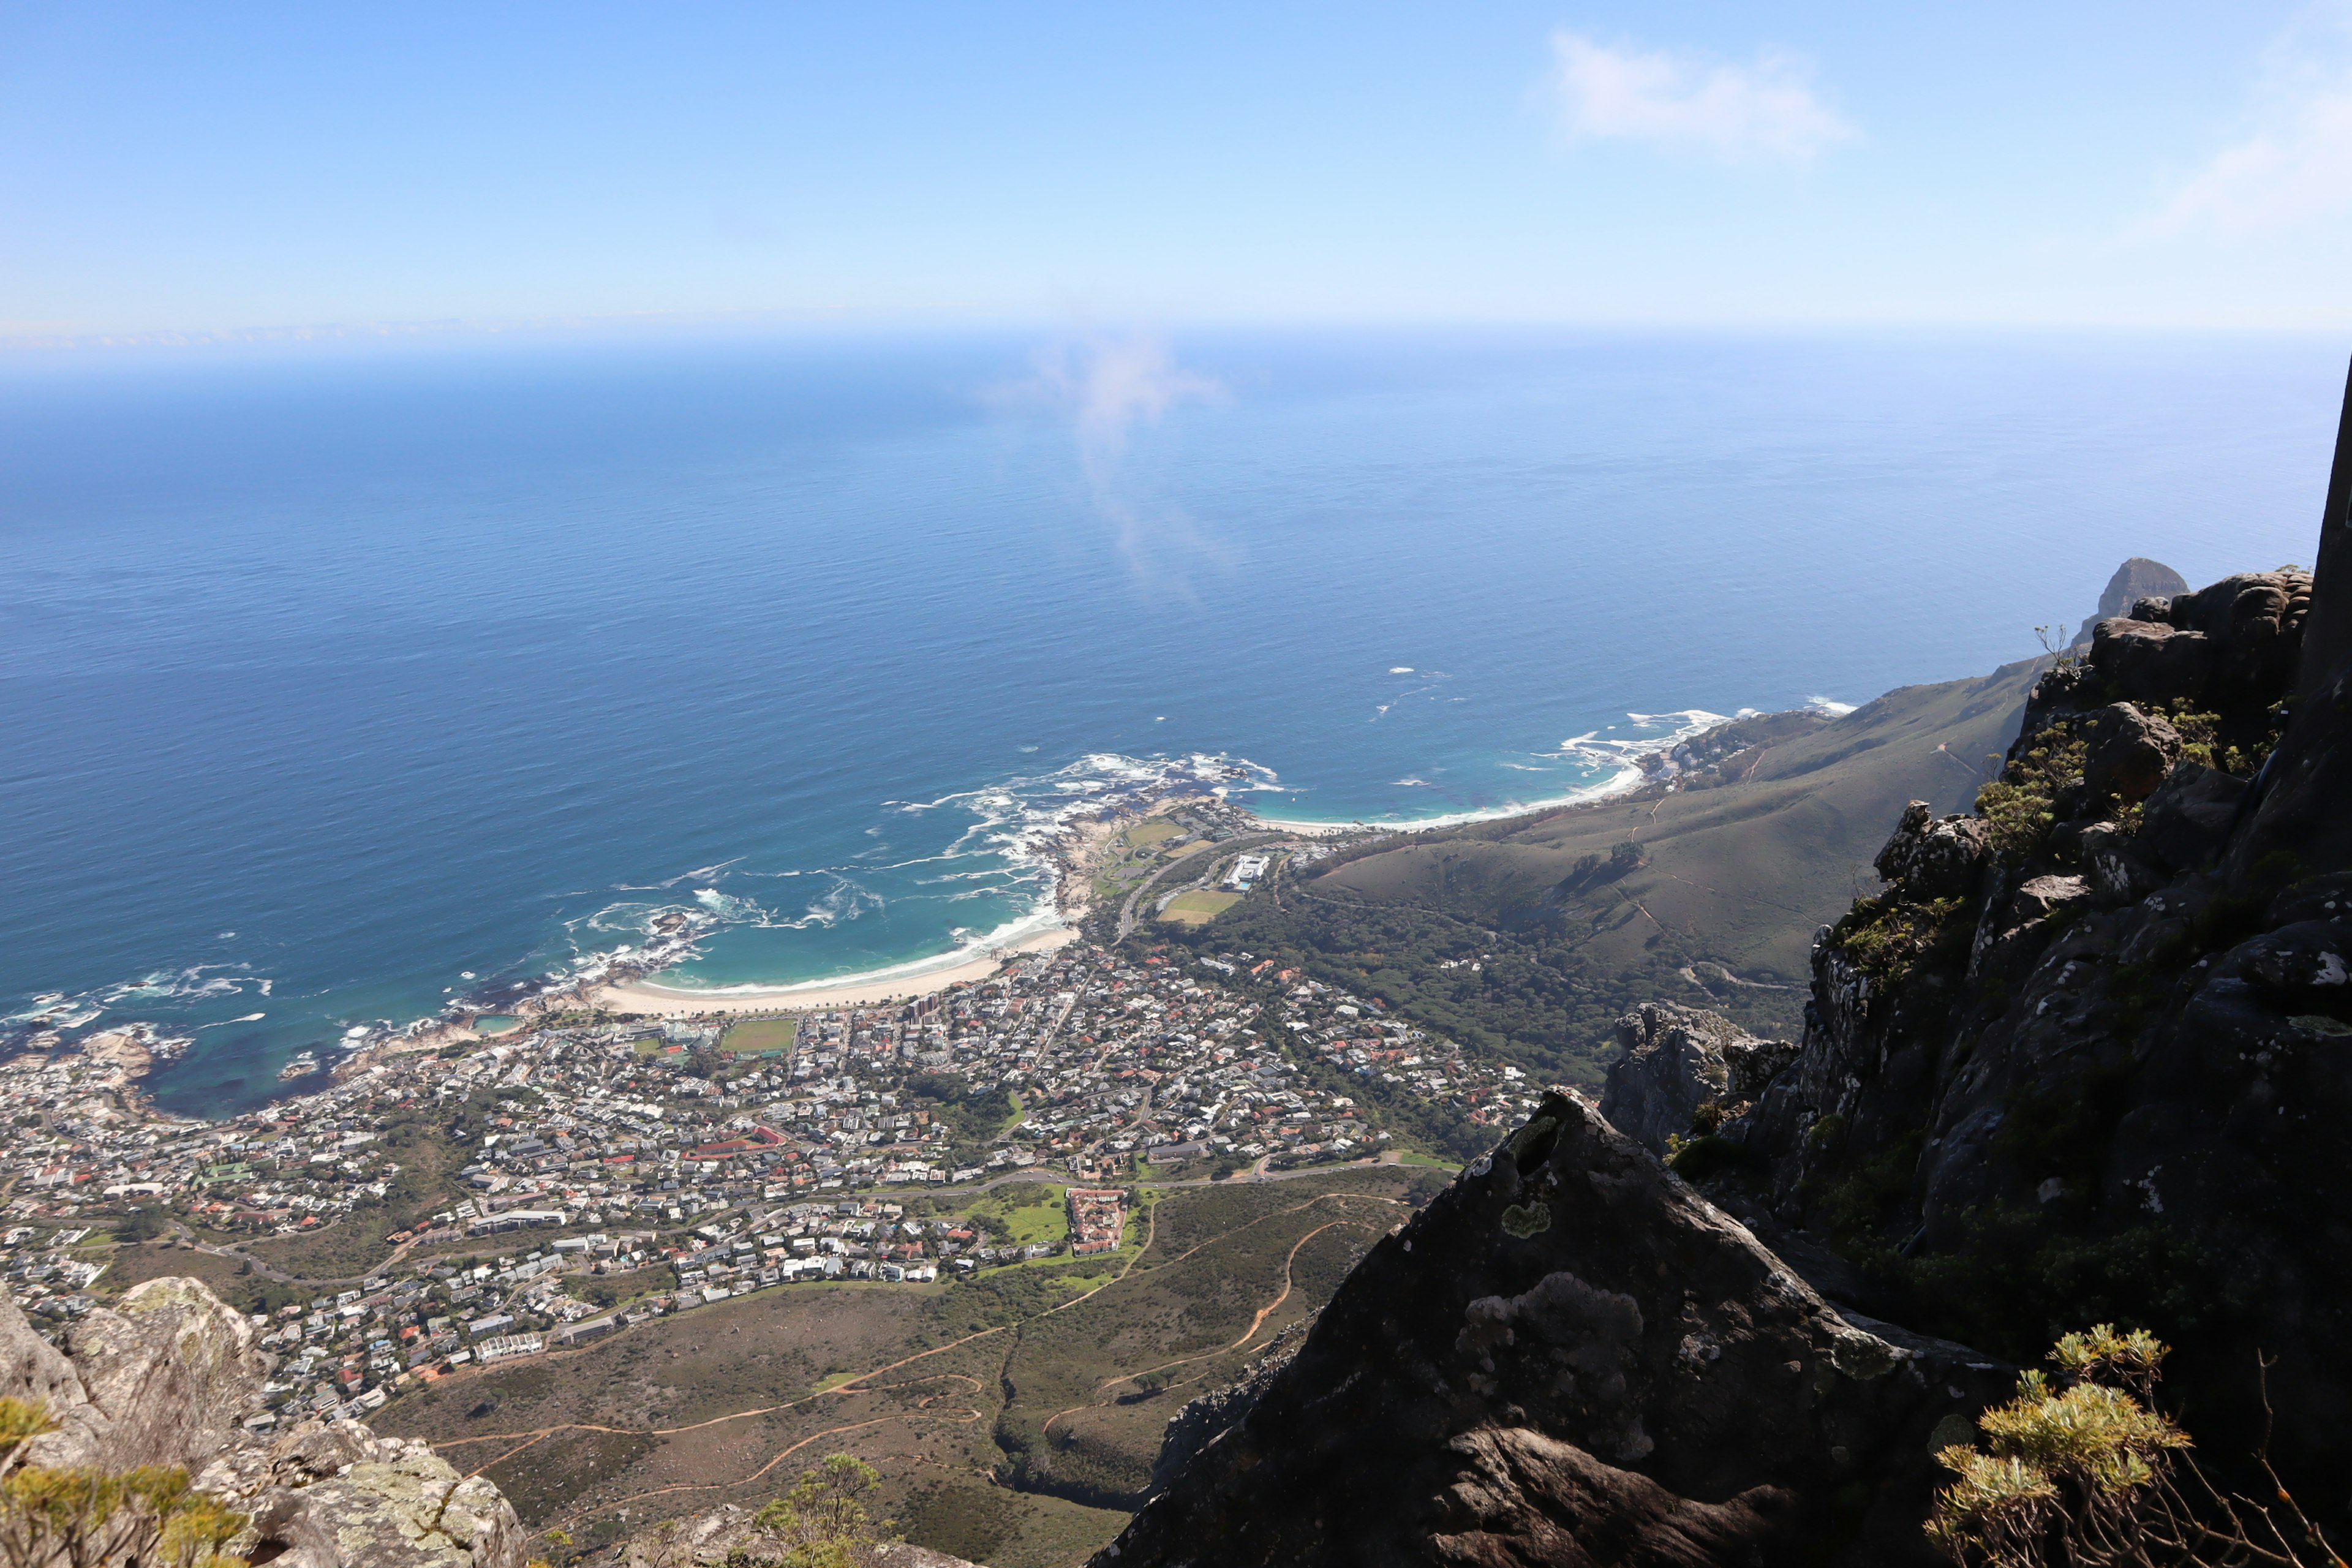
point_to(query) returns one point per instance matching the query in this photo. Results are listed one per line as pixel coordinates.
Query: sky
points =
(194, 171)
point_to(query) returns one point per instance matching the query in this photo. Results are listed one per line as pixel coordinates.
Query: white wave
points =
(1400, 669)
(1831, 706)
(1618, 758)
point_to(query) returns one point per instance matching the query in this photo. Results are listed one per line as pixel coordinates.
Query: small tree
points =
(2082, 1472)
(823, 1521)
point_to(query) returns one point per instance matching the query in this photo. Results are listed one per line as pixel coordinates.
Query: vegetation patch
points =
(2020, 806)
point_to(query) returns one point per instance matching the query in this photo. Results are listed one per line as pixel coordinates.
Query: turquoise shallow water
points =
(336, 686)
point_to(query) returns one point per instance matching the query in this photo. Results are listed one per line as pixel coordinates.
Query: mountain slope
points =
(1751, 853)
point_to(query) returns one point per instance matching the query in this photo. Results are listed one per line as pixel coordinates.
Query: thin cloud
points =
(2293, 161)
(1107, 388)
(1110, 386)
(1765, 110)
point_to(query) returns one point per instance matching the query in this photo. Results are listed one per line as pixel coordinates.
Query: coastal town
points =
(504, 1196)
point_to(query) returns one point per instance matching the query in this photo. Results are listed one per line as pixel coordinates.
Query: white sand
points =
(644, 996)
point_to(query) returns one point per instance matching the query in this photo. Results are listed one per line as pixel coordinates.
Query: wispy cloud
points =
(1107, 388)
(2293, 159)
(1740, 113)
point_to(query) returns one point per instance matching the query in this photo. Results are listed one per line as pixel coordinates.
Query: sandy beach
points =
(644, 997)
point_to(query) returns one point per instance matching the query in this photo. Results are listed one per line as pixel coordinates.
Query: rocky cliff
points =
(2088, 1056)
(169, 1376)
(1570, 1357)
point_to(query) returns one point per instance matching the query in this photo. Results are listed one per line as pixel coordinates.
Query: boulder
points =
(1677, 1061)
(1570, 1357)
(168, 1376)
(2152, 663)
(725, 1534)
(394, 1504)
(175, 1370)
(2126, 753)
(2187, 819)
(2254, 623)
(1931, 858)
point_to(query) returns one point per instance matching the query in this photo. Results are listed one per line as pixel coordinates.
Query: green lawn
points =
(1199, 906)
(1033, 1211)
(1157, 831)
(757, 1037)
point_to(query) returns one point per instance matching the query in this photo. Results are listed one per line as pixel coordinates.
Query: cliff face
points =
(169, 1377)
(2088, 1057)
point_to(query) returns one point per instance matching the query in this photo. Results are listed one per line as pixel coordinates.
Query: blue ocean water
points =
(336, 684)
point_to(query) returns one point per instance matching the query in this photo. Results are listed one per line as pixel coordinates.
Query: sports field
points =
(1199, 906)
(758, 1037)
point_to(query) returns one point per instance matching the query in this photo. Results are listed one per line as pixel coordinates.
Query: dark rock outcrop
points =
(1677, 1062)
(1570, 1356)
(2108, 1081)
(169, 1376)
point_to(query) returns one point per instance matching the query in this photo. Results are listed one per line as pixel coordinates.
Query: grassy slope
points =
(1035, 1401)
(1737, 874)
(1754, 865)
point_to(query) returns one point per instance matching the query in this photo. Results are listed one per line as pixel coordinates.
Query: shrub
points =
(81, 1516)
(2021, 806)
(1884, 937)
(2084, 1471)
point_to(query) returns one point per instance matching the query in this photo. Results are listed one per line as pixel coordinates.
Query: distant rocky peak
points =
(2136, 579)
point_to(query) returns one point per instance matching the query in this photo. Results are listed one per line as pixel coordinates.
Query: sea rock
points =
(1679, 1060)
(1571, 1357)
(1932, 858)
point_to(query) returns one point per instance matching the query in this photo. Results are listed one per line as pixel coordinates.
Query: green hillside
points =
(1714, 903)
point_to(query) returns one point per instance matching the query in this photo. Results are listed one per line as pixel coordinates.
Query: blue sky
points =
(211, 169)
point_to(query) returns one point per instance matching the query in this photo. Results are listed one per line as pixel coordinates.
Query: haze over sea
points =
(339, 684)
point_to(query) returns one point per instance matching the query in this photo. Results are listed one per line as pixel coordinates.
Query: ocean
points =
(341, 682)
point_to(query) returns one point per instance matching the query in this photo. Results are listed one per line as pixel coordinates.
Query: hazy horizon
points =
(183, 174)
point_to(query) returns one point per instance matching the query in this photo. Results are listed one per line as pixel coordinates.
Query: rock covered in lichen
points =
(169, 1375)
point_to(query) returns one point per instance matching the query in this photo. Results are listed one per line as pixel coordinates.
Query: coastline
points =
(646, 996)
(1076, 852)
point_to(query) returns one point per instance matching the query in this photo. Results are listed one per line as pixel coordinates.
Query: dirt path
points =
(854, 1385)
(1264, 1312)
